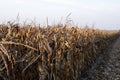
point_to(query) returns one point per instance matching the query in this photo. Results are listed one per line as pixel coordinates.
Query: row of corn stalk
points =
(52, 53)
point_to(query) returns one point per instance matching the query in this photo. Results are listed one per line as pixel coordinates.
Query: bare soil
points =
(107, 65)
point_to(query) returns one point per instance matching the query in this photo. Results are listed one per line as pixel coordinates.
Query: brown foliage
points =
(52, 53)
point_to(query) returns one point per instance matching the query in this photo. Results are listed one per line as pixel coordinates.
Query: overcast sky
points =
(104, 14)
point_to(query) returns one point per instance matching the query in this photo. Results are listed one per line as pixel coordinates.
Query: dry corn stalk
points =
(53, 53)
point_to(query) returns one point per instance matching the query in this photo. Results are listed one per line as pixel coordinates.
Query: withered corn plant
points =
(52, 53)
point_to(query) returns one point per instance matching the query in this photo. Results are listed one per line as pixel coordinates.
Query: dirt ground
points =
(107, 65)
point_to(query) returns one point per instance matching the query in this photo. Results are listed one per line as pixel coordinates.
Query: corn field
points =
(49, 53)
